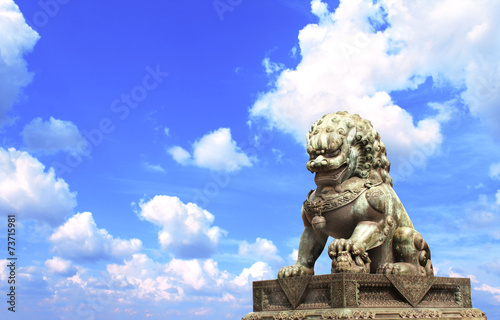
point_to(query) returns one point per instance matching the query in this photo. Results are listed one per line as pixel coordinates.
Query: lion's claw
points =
(294, 271)
(339, 245)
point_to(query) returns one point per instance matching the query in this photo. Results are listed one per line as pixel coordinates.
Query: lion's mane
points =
(360, 134)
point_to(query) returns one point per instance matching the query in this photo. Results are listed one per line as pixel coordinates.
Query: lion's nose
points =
(320, 161)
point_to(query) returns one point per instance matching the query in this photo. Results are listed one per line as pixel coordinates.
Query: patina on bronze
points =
(381, 267)
(354, 202)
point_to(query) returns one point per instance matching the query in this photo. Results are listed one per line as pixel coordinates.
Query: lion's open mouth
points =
(327, 177)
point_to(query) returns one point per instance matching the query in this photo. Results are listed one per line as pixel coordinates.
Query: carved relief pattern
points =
(257, 300)
(412, 288)
(333, 202)
(466, 297)
(471, 313)
(351, 293)
(277, 300)
(252, 317)
(317, 296)
(330, 315)
(420, 314)
(337, 294)
(294, 288)
(442, 296)
(458, 296)
(359, 291)
(289, 316)
(363, 315)
(379, 295)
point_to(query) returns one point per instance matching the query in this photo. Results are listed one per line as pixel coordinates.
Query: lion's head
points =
(343, 145)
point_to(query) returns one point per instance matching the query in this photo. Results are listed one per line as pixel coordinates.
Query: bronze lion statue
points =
(354, 203)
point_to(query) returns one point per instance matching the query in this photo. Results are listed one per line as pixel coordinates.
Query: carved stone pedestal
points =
(363, 296)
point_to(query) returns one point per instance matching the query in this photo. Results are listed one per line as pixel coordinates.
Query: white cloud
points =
(197, 274)
(80, 239)
(52, 136)
(494, 172)
(261, 249)
(497, 196)
(348, 64)
(168, 281)
(186, 229)
(61, 266)
(294, 255)
(153, 167)
(215, 151)
(258, 271)
(30, 192)
(495, 291)
(180, 155)
(272, 67)
(16, 40)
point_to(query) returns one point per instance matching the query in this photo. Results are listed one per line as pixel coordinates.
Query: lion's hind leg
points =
(412, 255)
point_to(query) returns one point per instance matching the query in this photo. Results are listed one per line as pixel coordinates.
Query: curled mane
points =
(363, 139)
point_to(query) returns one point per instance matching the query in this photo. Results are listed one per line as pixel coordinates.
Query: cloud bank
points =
(16, 40)
(353, 58)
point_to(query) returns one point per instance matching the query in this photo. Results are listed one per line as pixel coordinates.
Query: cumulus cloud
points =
(197, 274)
(178, 285)
(60, 266)
(262, 249)
(31, 192)
(16, 40)
(215, 151)
(54, 135)
(168, 281)
(258, 271)
(186, 229)
(353, 58)
(79, 239)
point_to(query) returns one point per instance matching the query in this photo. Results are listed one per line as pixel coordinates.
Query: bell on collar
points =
(318, 222)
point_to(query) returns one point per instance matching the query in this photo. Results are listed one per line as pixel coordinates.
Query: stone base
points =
(363, 296)
(370, 313)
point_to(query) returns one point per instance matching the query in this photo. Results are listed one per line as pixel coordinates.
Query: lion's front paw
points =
(402, 268)
(348, 257)
(340, 245)
(294, 271)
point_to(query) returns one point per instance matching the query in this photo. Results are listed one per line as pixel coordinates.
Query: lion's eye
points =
(333, 154)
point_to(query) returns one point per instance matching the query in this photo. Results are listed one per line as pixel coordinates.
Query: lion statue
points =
(354, 202)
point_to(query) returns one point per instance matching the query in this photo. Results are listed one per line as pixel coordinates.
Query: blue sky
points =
(153, 152)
